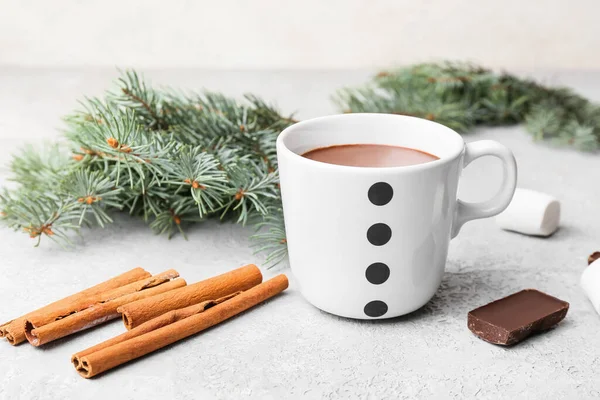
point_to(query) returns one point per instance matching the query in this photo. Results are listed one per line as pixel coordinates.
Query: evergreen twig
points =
(462, 96)
(170, 158)
(174, 159)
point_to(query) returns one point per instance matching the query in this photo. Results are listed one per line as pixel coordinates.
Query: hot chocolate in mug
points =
(372, 242)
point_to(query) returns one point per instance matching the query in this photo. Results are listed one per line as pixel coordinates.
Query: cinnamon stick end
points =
(11, 339)
(284, 280)
(3, 329)
(127, 321)
(255, 269)
(30, 334)
(82, 366)
(15, 333)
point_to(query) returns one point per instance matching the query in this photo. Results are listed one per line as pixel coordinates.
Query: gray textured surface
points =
(287, 348)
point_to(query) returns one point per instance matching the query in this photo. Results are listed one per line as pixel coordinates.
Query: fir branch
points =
(181, 211)
(271, 237)
(135, 95)
(118, 145)
(201, 174)
(250, 194)
(462, 96)
(172, 159)
(543, 122)
(94, 193)
(146, 199)
(39, 216)
(40, 167)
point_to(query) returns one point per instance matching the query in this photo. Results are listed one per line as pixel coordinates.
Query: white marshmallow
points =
(531, 213)
(590, 282)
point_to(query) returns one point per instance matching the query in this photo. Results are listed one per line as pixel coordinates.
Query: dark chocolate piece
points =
(513, 318)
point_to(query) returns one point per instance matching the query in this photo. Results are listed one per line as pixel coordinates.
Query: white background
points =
(299, 34)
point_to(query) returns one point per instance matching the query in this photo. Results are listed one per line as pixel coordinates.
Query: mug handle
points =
(466, 212)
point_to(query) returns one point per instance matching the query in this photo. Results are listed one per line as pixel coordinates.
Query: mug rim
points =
(415, 167)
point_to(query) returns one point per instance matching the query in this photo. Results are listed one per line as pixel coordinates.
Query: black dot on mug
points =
(377, 273)
(380, 193)
(379, 234)
(376, 308)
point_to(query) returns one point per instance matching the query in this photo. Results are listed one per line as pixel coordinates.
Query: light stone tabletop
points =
(286, 348)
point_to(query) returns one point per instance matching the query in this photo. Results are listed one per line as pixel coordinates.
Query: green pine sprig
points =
(462, 96)
(172, 159)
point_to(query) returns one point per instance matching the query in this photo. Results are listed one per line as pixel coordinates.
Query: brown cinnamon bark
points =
(14, 330)
(89, 301)
(154, 324)
(92, 362)
(138, 312)
(40, 330)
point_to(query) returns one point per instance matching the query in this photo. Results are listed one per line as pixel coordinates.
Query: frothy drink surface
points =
(369, 155)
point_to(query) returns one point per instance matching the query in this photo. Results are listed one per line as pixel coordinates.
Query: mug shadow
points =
(458, 293)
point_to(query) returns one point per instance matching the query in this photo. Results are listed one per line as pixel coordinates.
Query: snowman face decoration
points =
(372, 243)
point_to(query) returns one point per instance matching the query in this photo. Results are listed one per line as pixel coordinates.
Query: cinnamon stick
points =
(81, 304)
(14, 331)
(40, 329)
(130, 346)
(138, 312)
(153, 324)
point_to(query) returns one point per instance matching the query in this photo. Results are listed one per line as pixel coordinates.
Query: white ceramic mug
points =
(357, 259)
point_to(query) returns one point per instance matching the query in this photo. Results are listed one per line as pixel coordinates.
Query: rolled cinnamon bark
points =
(105, 356)
(3, 327)
(81, 304)
(153, 324)
(14, 330)
(40, 330)
(138, 312)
